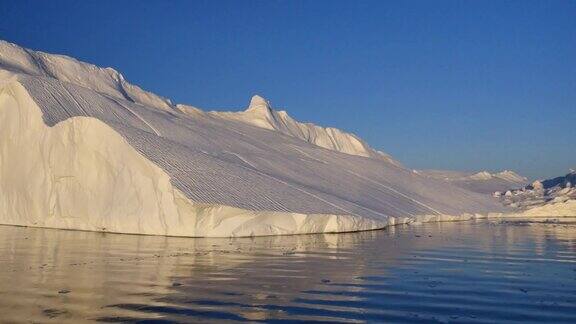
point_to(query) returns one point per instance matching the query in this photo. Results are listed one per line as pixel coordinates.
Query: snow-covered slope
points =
(482, 182)
(81, 148)
(261, 114)
(106, 81)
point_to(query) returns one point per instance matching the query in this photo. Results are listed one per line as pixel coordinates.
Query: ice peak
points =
(259, 104)
(482, 175)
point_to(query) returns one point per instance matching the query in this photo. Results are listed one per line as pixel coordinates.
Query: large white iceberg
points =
(81, 148)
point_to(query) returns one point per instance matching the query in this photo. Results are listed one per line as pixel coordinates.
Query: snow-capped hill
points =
(82, 149)
(261, 114)
(482, 182)
(106, 81)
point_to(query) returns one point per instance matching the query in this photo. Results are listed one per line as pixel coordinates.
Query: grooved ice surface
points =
(219, 159)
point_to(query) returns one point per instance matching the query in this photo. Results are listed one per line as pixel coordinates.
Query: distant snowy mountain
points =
(482, 182)
(81, 148)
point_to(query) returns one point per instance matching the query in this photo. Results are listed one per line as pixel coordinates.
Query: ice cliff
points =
(81, 148)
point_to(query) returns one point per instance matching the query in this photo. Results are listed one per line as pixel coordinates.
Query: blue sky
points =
(462, 85)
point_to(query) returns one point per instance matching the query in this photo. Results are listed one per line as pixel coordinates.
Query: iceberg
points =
(556, 196)
(81, 148)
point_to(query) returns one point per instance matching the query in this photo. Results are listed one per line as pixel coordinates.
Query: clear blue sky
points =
(462, 85)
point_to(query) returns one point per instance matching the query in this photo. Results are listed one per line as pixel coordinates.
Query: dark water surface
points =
(489, 271)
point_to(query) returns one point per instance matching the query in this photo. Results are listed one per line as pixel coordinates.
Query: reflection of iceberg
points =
(112, 275)
(373, 275)
(104, 155)
(108, 269)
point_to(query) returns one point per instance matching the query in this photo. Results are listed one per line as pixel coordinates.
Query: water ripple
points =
(473, 272)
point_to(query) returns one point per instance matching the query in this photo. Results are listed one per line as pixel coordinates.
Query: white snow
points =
(542, 193)
(81, 148)
(81, 174)
(261, 114)
(482, 181)
(511, 176)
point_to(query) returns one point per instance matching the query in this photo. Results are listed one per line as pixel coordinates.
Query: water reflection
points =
(438, 272)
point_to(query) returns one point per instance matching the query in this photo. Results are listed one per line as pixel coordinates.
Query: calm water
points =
(490, 271)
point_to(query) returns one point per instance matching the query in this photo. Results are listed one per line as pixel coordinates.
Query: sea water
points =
(464, 272)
